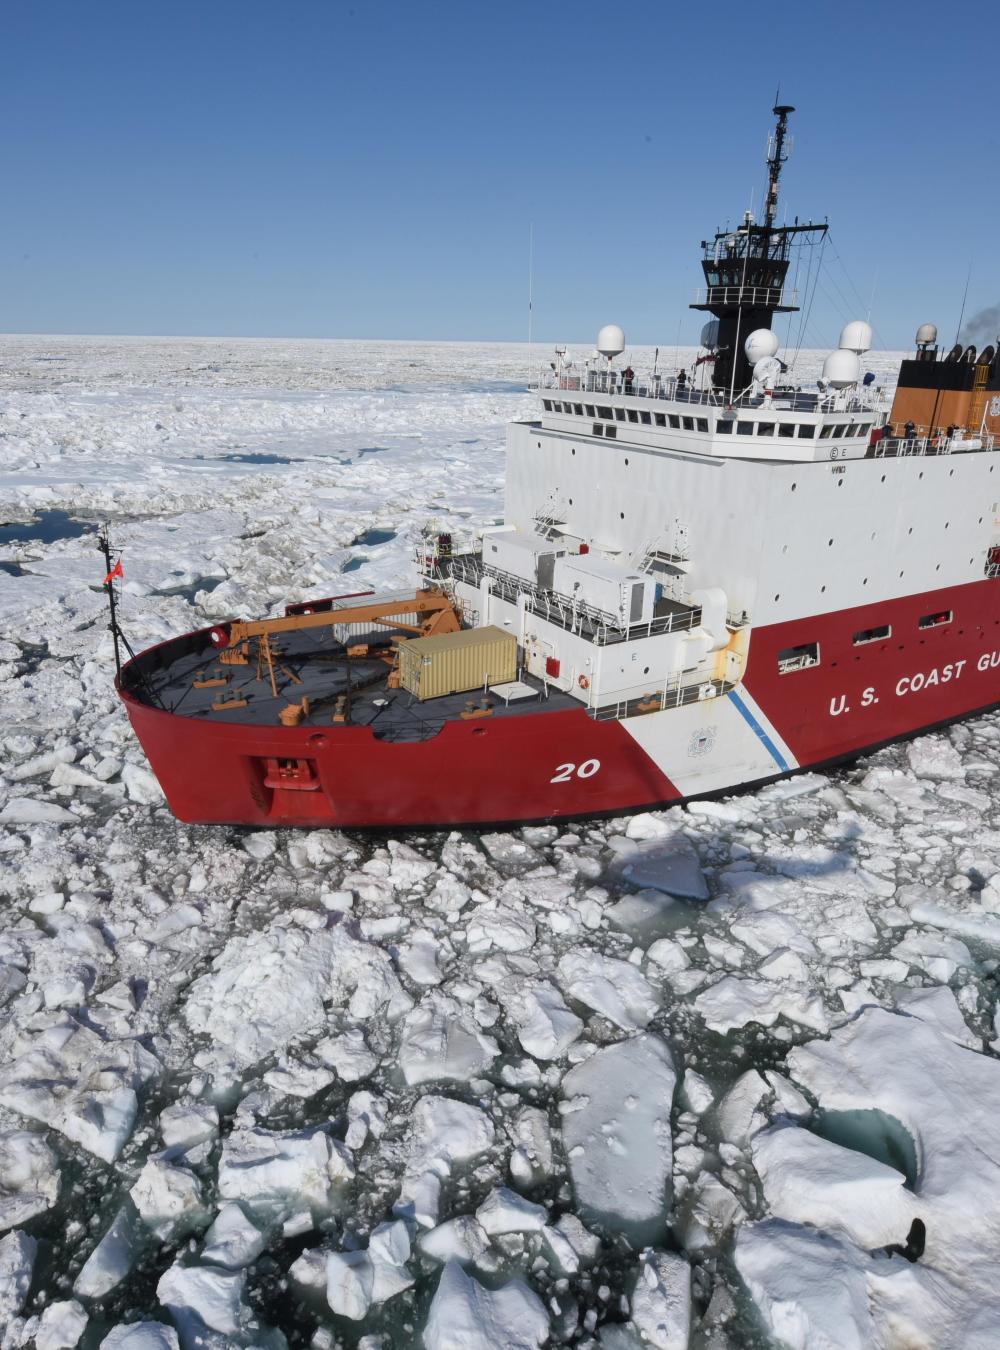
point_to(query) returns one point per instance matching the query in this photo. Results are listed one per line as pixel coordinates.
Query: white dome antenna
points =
(856, 337)
(841, 369)
(927, 335)
(611, 341)
(710, 334)
(761, 344)
(767, 372)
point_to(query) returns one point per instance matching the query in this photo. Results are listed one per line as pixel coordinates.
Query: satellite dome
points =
(767, 370)
(856, 337)
(710, 334)
(927, 335)
(760, 344)
(841, 369)
(611, 340)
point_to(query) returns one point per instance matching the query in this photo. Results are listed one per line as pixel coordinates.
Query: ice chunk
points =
(270, 987)
(168, 1198)
(939, 1007)
(141, 786)
(809, 1288)
(616, 1132)
(112, 1258)
(348, 1055)
(669, 955)
(738, 1115)
(807, 1179)
(61, 1325)
(669, 865)
(203, 1299)
(30, 811)
(278, 1173)
(462, 1239)
(736, 1000)
(531, 1160)
(661, 1301)
(466, 1316)
(359, 1280)
(937, 954)
(183, 1125)
(615, 989)
(504, 1211)
(29, 1177)
(448, 1129)
(141, 1336)
(441, 1041)
(934, 757)
(233, 1240)
(17, 1261)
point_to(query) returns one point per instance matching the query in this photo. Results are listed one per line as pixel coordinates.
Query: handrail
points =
(663, 388)
(766, 296)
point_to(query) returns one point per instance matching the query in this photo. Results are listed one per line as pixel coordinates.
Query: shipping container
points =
(454, 663)
(627, 597)
(528, 556)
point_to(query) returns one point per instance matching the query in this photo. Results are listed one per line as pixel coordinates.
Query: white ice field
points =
(672, 1080)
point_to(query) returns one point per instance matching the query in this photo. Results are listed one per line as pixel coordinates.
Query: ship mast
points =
(745, 271)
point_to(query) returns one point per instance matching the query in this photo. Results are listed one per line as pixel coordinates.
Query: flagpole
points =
(104, 544)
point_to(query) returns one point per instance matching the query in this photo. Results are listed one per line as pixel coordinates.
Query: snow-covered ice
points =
(444, 1089)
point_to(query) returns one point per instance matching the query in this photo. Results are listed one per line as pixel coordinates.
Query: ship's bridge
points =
(668, 413)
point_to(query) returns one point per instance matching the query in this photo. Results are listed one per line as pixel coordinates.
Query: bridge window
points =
(826, 432)
(765, 428)
(688, 423)
(675, 421)
(645, 418)
(723, 427)
(633, 416)
(661, 421)
(547, 404)
(702, 423)
(786, 428)
(744, 428)
(620, 414)
(798, 658)
(590, 410)
(807, 431)
(873, 634)
(606, 413)
(578, 409)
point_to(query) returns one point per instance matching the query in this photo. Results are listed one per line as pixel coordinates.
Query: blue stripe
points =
(759, 731)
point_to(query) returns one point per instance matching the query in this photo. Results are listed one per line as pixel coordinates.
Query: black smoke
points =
(982, 327)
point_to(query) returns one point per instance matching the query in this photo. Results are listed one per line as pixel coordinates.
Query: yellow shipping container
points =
(454, 663)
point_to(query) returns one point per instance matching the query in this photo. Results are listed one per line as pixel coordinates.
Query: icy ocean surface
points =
(684, 1078)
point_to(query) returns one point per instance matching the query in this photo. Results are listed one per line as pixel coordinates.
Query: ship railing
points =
(676, 695)
(767, 297)
(992, 570)
(573, 615)
(899, 447)
(613, 384)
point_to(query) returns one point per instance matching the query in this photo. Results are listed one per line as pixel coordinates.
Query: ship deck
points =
(312, 664)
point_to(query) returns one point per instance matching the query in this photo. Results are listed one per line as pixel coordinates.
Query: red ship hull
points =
(539, 766)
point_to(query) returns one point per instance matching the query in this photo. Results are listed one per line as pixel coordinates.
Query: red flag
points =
(116, 571)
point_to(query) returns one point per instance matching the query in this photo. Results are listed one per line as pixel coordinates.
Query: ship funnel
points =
(611, 341)
(841, 369)
(761, 344)
(856, 337)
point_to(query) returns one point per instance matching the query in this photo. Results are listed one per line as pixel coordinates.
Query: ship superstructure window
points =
(688, 423)
(578, 409)
(590, 410)
(633, 415)
(839, 431)
(611, 433)
(661, 420)
(645, 418)
(547, 404)
(702, 423)
(744, 428)
(620, 414)
(606, 413)
(675, 421)
(598, 429)
(723, 427)
(765, 428)
(826, 432)
(807, 431)
(786, 428)
(798, 658)
(873, 634)
(943, 616)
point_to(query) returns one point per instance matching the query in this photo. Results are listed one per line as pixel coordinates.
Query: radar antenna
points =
(775, 160)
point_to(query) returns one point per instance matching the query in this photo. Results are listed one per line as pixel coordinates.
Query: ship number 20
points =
(567, 771)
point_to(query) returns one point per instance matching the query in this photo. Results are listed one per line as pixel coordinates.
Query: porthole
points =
(883, 478)
(946, 524)
(864, 581)
(626, 461)
(920, 474)
(621, 515)
(910, 530)
(794, 485)
(822, 590)
(571, 501)
(777, 597)
(573, 451)
(645, 670)
(829, 543)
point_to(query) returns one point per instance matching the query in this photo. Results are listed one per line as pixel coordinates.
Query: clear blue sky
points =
(370, 169)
